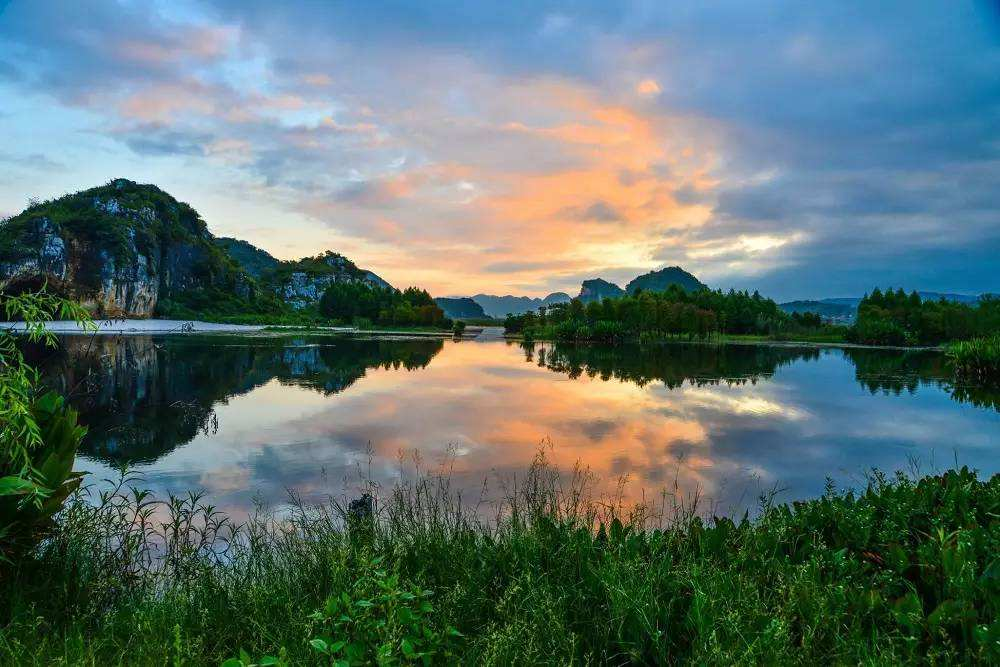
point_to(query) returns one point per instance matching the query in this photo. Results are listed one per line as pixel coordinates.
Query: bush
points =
(903, 571)
(977, 360)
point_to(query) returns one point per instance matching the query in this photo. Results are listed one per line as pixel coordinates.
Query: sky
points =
(802, 149)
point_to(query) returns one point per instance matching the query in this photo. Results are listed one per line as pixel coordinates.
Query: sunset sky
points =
(804, 149)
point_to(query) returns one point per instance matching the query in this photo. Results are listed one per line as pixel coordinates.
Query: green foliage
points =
(977, 360)
(39, 434)
(81, 221)
(29, 499)
(381, 620)
(459, 327)
(897, 318)
(220, 305)
(674, 312)
(904, 571)
(350, 301)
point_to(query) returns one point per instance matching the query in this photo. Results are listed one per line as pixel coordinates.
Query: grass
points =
(977, 360)
(904, 571)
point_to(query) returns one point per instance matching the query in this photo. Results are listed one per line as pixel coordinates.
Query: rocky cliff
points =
(119, 249)
(302, 283)
(130, 250)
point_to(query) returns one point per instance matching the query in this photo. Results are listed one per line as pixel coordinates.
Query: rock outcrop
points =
(119, 249)
(302, 283)
(131, 250)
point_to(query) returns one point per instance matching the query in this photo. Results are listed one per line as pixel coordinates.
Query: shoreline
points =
(769, 343)
(135, 327)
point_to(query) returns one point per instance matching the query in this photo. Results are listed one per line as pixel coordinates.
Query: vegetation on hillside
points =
(657, 281)
(253, 260)
(904, 571)
(897, 318)
(88, 219)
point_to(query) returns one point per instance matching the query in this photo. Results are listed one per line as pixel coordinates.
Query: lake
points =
(250, 420)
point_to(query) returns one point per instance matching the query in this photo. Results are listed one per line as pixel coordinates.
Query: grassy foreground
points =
(906, 571)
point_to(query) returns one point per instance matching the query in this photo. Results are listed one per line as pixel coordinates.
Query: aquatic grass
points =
(905, 570)
(977, 360)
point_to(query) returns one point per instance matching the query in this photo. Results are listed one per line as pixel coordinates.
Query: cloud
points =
(745, 143)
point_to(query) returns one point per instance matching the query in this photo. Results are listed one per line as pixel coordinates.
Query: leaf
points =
(233, 662)
(12, 485)
(319, 645)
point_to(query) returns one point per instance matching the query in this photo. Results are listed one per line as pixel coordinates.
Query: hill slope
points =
(253, 260)
(658, 281)
(597, 289)
(460, 308)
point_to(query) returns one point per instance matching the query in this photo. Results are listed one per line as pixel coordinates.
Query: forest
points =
(897, 318)
(351, 302)
(672, 313)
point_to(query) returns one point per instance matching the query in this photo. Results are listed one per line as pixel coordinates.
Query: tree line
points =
(894, 317)
(350, 302)
(673, 312)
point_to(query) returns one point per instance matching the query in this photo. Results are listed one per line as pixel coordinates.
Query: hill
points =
(131, 250)
(121, 249)
(253, 260)
(460, 308)
(658, 281)
(597, 289)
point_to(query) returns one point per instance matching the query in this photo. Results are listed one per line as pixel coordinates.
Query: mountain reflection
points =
(250, 418)
(143, 396)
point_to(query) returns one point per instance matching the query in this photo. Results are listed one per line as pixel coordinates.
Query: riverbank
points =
(904, 571)
(160, 327)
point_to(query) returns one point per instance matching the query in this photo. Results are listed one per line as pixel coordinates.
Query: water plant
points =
(977, 360)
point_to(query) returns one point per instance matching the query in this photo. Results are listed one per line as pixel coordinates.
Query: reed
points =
(905, 570)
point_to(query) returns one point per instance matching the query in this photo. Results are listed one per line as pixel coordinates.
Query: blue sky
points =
(805, 149)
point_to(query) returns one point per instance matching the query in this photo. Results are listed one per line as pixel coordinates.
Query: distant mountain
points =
(658, 281)
(460, 307)
(845, 309)
(253, 260)
(597, 289)
(838, 312)
(501, 306)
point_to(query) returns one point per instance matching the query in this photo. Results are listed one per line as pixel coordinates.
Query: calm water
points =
(249, 419)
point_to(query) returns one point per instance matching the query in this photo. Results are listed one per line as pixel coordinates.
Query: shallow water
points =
(249, 419)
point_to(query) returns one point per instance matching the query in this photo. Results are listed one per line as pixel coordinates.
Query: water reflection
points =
(252, 418)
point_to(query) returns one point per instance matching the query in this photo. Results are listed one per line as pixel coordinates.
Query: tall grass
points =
(904, 571)
(977, 360)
